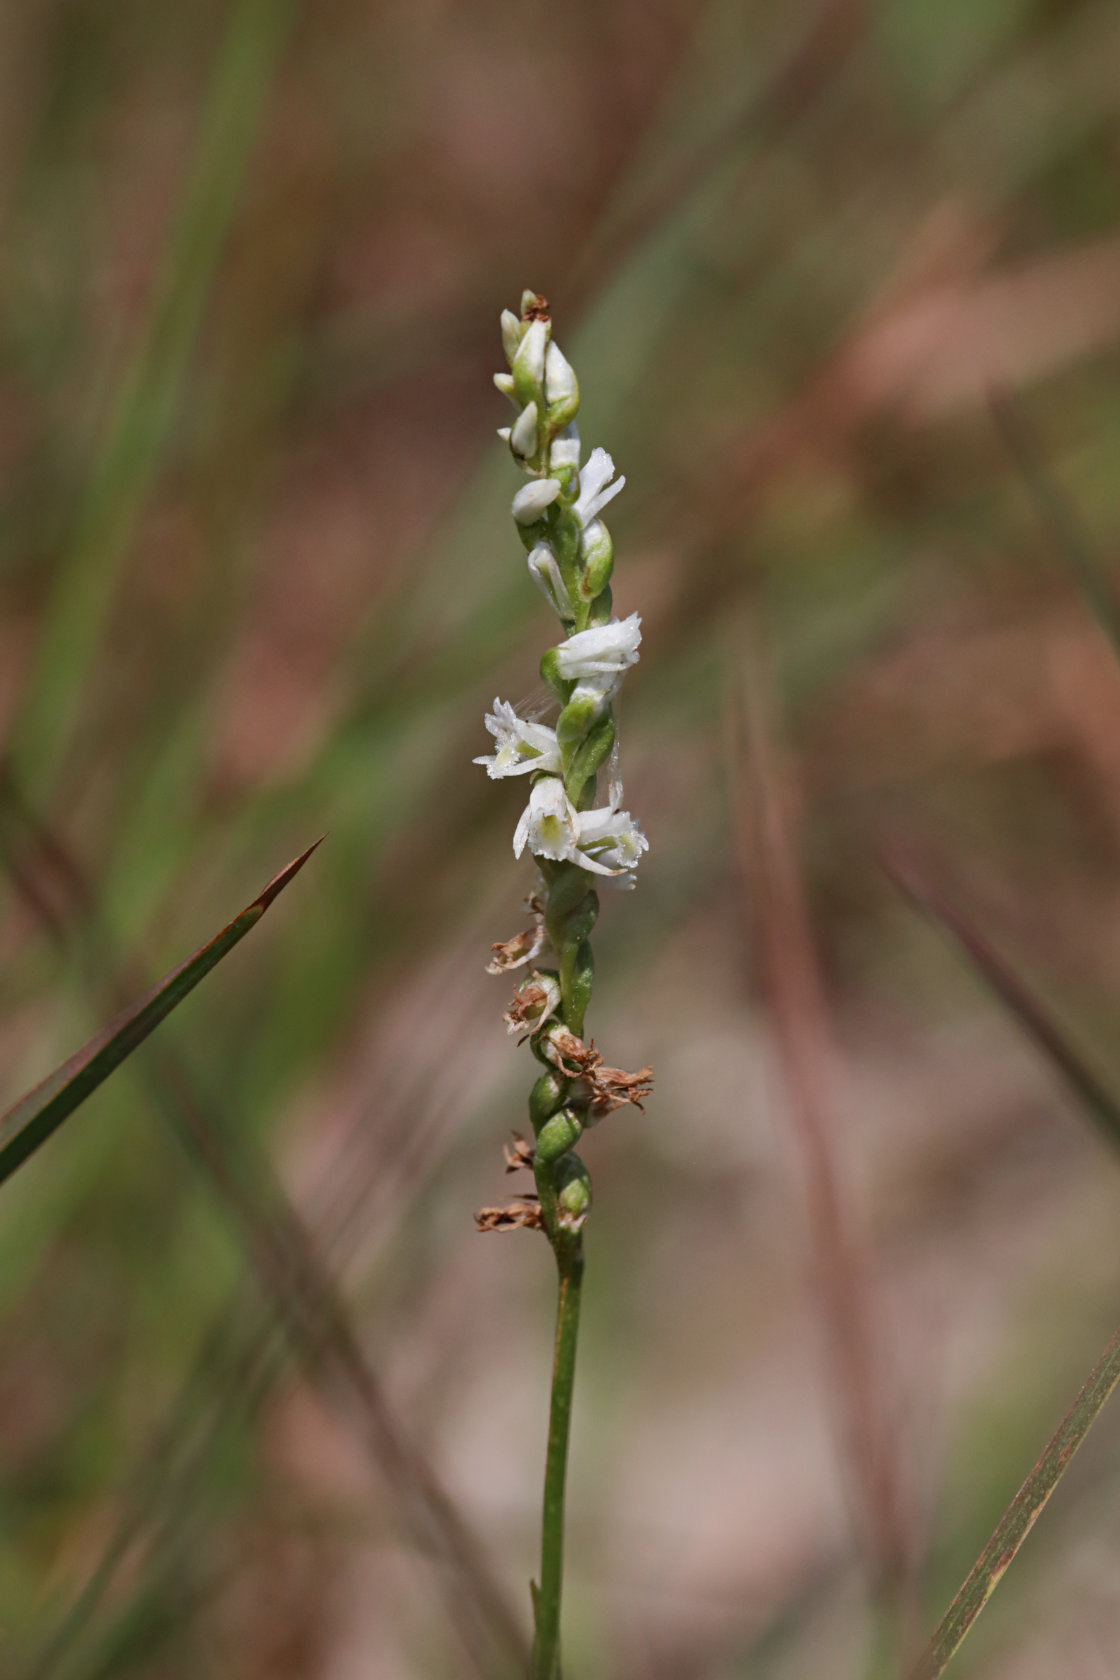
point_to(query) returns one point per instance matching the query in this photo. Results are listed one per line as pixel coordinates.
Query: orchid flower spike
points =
(575, 841)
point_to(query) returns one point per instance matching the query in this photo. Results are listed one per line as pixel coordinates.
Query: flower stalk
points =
(576, 843)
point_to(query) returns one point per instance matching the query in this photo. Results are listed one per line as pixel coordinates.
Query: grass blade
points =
(32, 1120)
(1020, 1516)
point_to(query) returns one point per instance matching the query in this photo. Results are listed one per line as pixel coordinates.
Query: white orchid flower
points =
(606, 841)
(606, 650)
(610, 840)
(595, 487)
(522, 745)
(548, 823)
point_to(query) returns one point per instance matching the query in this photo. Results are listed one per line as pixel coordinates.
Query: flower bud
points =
(528, 364)
(504, 383)
(561, 387)
(573, 1192)
(533, 499)
(544, 568)
(523, 437)
(513, 331)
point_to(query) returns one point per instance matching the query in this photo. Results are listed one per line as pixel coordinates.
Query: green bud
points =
(546, 1097)
(573, 1197)
(558, 1135)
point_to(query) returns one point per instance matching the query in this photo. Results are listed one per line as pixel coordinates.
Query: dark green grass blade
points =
(43, 1110)
(1020, 1516)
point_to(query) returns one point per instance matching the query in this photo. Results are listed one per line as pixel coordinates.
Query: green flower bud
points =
(546, 1097)
(573, 1197)
(558, 1135)
(597, 555)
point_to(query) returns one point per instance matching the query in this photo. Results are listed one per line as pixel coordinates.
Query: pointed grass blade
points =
(33, 1119)
(1020, 1516)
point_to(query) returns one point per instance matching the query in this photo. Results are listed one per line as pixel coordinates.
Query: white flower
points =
(548, 822)
(533, 498)
(522, 745)
(544, 569)
(565, 448)
(595, 488)
(611, 838)
(606, 650)
(606, 842)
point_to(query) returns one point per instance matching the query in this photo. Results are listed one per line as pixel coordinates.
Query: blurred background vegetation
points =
(842, 284)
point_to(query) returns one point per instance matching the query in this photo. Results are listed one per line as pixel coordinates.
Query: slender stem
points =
(546, 1596)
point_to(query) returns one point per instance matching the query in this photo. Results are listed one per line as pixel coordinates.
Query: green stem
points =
(546, 1596)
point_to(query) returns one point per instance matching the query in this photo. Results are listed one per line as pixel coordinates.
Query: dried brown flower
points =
(524, 1213)
(521, 1155)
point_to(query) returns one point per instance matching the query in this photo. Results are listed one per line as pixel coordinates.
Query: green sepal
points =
(546, 1097)
(597, 555)
(589, 756)
(550, 673)
(580, 985)
(576, 720)
(562, 413)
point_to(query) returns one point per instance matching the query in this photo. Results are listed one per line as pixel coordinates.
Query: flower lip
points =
(548, 822)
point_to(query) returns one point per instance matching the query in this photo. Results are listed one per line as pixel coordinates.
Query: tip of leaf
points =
(280, 881)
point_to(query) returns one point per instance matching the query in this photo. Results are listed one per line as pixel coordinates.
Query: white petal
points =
(600, 651)
(512, 333)
(523, 438)
(560, 378)
(533, 498)
(531, 352)
(595, 488)
(545, 571)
